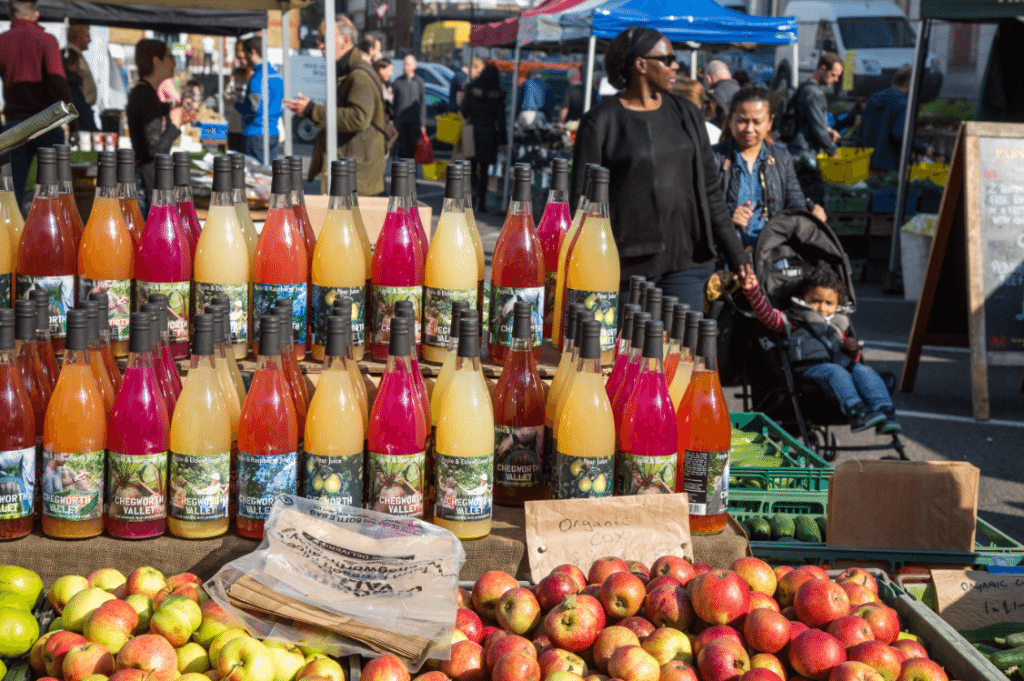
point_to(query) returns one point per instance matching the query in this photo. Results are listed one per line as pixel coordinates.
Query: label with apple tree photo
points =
(396, 483)
(238, 306)
(261, 479)
(199, 486)
(60, 289)
(550, 278)
(136, 486)
(502, 313)
(464, 488)
(518, 456)
(17, 482)
(263, 297)
(437, 313)
(383, 309)
(583, 477)
(119, 302)
(603, 305)
(706, 481)
(334, 480)
(323, 300)
(5, 291)
(177, 293)
(649, 474)
(73, 485)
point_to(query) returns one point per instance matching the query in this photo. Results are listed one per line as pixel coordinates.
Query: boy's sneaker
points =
(862, 419)
(890, 426)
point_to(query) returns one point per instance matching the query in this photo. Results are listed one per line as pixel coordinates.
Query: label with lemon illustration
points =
(603, 305)
(334, 480)
(583, 477)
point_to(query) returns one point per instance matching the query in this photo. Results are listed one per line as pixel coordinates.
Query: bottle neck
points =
(589, 366)
(569, 346)
(23, 348)
(520, 208)
(342, 202)
(298, 197)
(137, 360)
(652, 365)
(6, 183)
(280, 201)
(104, 335)
(467, 364)
(94, 344)
(7, 356)
(335, 364)
(238, 196)
(597, 209)
(272, 362)
(220, 350)
(127, 190)
(398, 204)
(72, 357)
(106, 192)
(43, 334)
(47, 191)
(222, 199)
(183, 194)
(558, 196)
(164, 197)
(65, 187)
(453, 206)
(582, 206)
(399, 364)
(706, 364)
(522, 345)
(202, 361)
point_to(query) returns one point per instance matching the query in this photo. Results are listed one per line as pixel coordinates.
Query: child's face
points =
(822, 300)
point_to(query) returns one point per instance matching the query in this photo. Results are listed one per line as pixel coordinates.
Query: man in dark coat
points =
(882, 126)
(410, 101)
(814, 135)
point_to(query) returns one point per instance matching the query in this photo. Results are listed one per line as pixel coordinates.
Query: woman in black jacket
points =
(667, 211)
(484, 107)
(757, 176)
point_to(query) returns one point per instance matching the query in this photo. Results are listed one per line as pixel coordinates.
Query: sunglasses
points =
(666, 59)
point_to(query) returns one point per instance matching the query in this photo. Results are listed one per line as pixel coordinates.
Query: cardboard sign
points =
(968, 599)
(579, 531)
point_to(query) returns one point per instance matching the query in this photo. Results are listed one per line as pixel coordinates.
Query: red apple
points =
(491, 634)
(766, 631)
(760, 600)
(910, 648)
(610, 640)
(920, 669)
(720, 596)
(562, 675)
(150, 653)
(760, 674)
(676, 670)
(854, 671)
(661, 580)
(555, 660)
(859, 576)
(126, 675)
(466, 663)
(884, 621)
(820, 601)
(35, 655)
(622, 594)
(674, 566)
(385, 668)
(633, 663)
(57, 646)
(638, 568)
(669, 606)
(789, 583)
(858, 594)
(781, 570)
(851, 630)
(463, 599)
(815, 654)
(722, 659)
(507, 644)
(796, 627)
(573, 625)
(432, 676)
(489, 589)
(641, 626)
(574, 572)
(518, 610)
(110, 580)
(768, 661)
(85, 660)
(884, 659)
(469, 623)
(711, 633)
(816, 570)
(702, 567)
(542, 642)
(595, 606)
(111, 625)
(553, 588)
(601, 568)
(185, 578)
(516, 666)
(667, 644)
(145, 581)
(758, 575)
(592, 590)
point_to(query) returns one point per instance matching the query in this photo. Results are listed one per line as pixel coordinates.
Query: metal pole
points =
(219, 64)
(511, 127)
(588, 86)
(693, 64)
(286, 43)
(894, 279)
(795, 66)
(265, 100)
(331, 105)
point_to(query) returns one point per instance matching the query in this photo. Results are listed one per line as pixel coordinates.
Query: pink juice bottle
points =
(625, 387)
(162, 334)
(183, 199)
(137, 440)
(648, 437)
(414, 210)
(397, 268)
(163, 262)
(396, 436)
(551, 230)
(163, 378)
(622, 358)
(636, 284)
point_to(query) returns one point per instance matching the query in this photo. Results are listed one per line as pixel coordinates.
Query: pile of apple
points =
(148, 628)
(677, 622)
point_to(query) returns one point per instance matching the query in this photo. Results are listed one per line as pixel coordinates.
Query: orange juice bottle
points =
(67, 193)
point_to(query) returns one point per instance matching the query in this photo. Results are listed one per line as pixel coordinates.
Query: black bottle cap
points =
(164, 172)
(339, 178)
(399, 179)
(588, 174)
(339, 336)
(92, 309)
(523, 188)
(654, 330)
(270, 335)
(668, 305)
(591, 340)
(139, 338)
(46, 169)
(639, 319)
(406, 308)
(708, 348)
(160, 300)
(217, 312)
(42, 301)
(295, 164)
(636, 283)
(101, 298)
(628, 310)
(652, 304)
(353, 173)
(469, 338)
(237, 171)
(7, 328)
(77, 338)
(522, 320)
(284, 316)
(281, 177)
(459, 309)
(25, 328)
(339, 306)
(202, 339)
(400, 337)
(126, 166)
(182, 168)
(560, 175)
(692, 324)
(582, 315)
(107, 175)
(599, 185)
(454, 187)
(679, 311)
(467, 180)
(571, 310)
(284, 304)
(63, 162)
(220, 300)
(222, 177)
(5, 165)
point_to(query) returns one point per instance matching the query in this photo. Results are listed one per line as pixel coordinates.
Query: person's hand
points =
(297, 105)
(819, 212)
(741, 216)
(423, 131)
(746, 277)
(850, 346)
(834, 135)
(176, 114)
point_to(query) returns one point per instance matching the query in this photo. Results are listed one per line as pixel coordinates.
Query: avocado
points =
(782, 526)
(759, 529)
(822, 524)
(807, 529)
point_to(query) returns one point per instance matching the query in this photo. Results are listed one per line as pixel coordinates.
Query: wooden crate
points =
(880, 225)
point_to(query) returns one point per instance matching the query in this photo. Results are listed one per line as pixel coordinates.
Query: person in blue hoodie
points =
(251, 107)
(882, 125)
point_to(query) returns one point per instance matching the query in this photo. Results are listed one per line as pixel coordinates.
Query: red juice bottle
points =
(44, 348)
(648, 437)
(396, 437)
(128, 194)
(183, 198)
(414, 210)
(308, 235)
(163, 378)
(163, 263)
(290, 366)
(281, 265)
(47, 256)
(138, 431)
(67, 194)
(106, 351)
(622, 357)
(517, 270)
(636, 283)
(27, 358)
(404, 309)
(397, 268)
(17, 439)
(163, 330)
(551, 230)
(99, 370)
(268, 436)
(627, 384)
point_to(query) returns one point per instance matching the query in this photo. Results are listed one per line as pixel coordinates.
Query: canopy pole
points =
(588, 87)
(693, 64)
(286, 43)
(511, 127)
(219, 65)
(331, 76)
(794, 68)
(265, 99)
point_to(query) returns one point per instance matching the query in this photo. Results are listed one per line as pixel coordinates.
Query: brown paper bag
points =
(913, 505)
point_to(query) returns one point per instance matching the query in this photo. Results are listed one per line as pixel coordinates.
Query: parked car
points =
(431, 73)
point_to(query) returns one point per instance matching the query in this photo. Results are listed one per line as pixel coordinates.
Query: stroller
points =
(792, 242)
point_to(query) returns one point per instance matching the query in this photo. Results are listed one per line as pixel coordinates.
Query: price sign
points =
(969, 599)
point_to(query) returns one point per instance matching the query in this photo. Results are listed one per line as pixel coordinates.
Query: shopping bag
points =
(424, 150)
(448, 127)
(466, 141)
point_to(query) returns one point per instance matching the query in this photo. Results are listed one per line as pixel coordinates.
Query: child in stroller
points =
(821, 349)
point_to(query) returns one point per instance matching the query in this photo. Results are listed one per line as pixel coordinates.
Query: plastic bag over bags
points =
(387, 584)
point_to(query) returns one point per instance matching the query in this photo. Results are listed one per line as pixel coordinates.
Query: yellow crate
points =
(936, 172)
(449, 127)
(435, 171)
(849, 166)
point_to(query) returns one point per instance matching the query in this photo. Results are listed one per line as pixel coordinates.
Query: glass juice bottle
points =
(403, 309)
(563, 254)
(128, 195)
(183, 197)
(46, 255)
(668, 306)
(281, 268)
(222, 259)
(674, 352)
(200, 447)
(298, 196)
(242, 204)
(621, 350)
(395, 435)
(17, 439)
(465, 444)
(585, 463)
(648, 437)
(44, 347)
(7, 263)
(99, 370)
(163, 378)
(268, 435)
(632, 369)
(704, 439)
(450, 272)
(339, 264)
(74, 442)
(10, 214)
(357, 215)
(474, 233)
(622, 342)
(163, 263)
(517, 270)
(137, 442)
(106, 254)
(687, 358)
(397, 270)
(227, 384)
(444, 377)
(343, 309)
(221, 343)
(163, 334)
(106, 351)
(562, 373)
(290, 366)
(570, 376)
(335, 429)
(519, 420)
(551, 230)
(414, 209)
(29, 366)
(67, 193)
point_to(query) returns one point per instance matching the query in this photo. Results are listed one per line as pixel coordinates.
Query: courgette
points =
(985, 649)
(1010, 641)
(1005, 659)
(989, 633)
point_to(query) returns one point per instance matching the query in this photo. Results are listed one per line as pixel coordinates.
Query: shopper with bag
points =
(410, 95)
(484, 109)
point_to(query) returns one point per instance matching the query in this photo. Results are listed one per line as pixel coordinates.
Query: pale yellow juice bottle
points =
(11, 222)
(481, 265)
(465, 445)
(592, 272)
(222, 264)
(229, 389)
(241, 203)
(365, 239)
(200, 458)
(339, 264)
(221, 349)
(450, 274)
(558, 320)
(572, 371)
(444, 376)
(563, 374)
(681, 378)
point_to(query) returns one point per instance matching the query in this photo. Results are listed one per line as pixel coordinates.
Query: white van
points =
(876, 29)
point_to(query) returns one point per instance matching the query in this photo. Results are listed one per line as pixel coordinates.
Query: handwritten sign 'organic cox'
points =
(968, 599)
(579, 531)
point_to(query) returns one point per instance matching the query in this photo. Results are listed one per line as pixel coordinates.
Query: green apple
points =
(176, 619)
(109, 580)
(81, 605)
(245, 659)
(96, 677)
(323, 667)
(192, 676)
(215, 620)
(56, 625)
(64, 588)
(19, 587)
(143, 606)
(192, 657)
(220, 640)
(288, 660)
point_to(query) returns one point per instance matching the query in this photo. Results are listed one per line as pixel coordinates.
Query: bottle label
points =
(263, 297)
(549, 297)
(437, 313)
(583, 477)
(261, 479)
(136, 486)
(199, 486)
(550, 454)
(177, 293)
(396, 483)
(706, 481)
(5, 290)
(384, 299)
(649, 474)
(518, 455)
(238, 306)
(60, 289)
(323, 300)
(73, 485)
(502, 310)
(464, 487)
(119, 301)
(335, 480)
(17, 482)
(604, 306)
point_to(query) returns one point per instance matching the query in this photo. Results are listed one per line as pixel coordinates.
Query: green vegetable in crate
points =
(1010, 641)
(759, 529)
(1005, 659)
(807, 529)
(989, 633)
(822, 524)
(782, 526)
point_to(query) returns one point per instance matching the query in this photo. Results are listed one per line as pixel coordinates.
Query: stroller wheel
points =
(824, 443)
